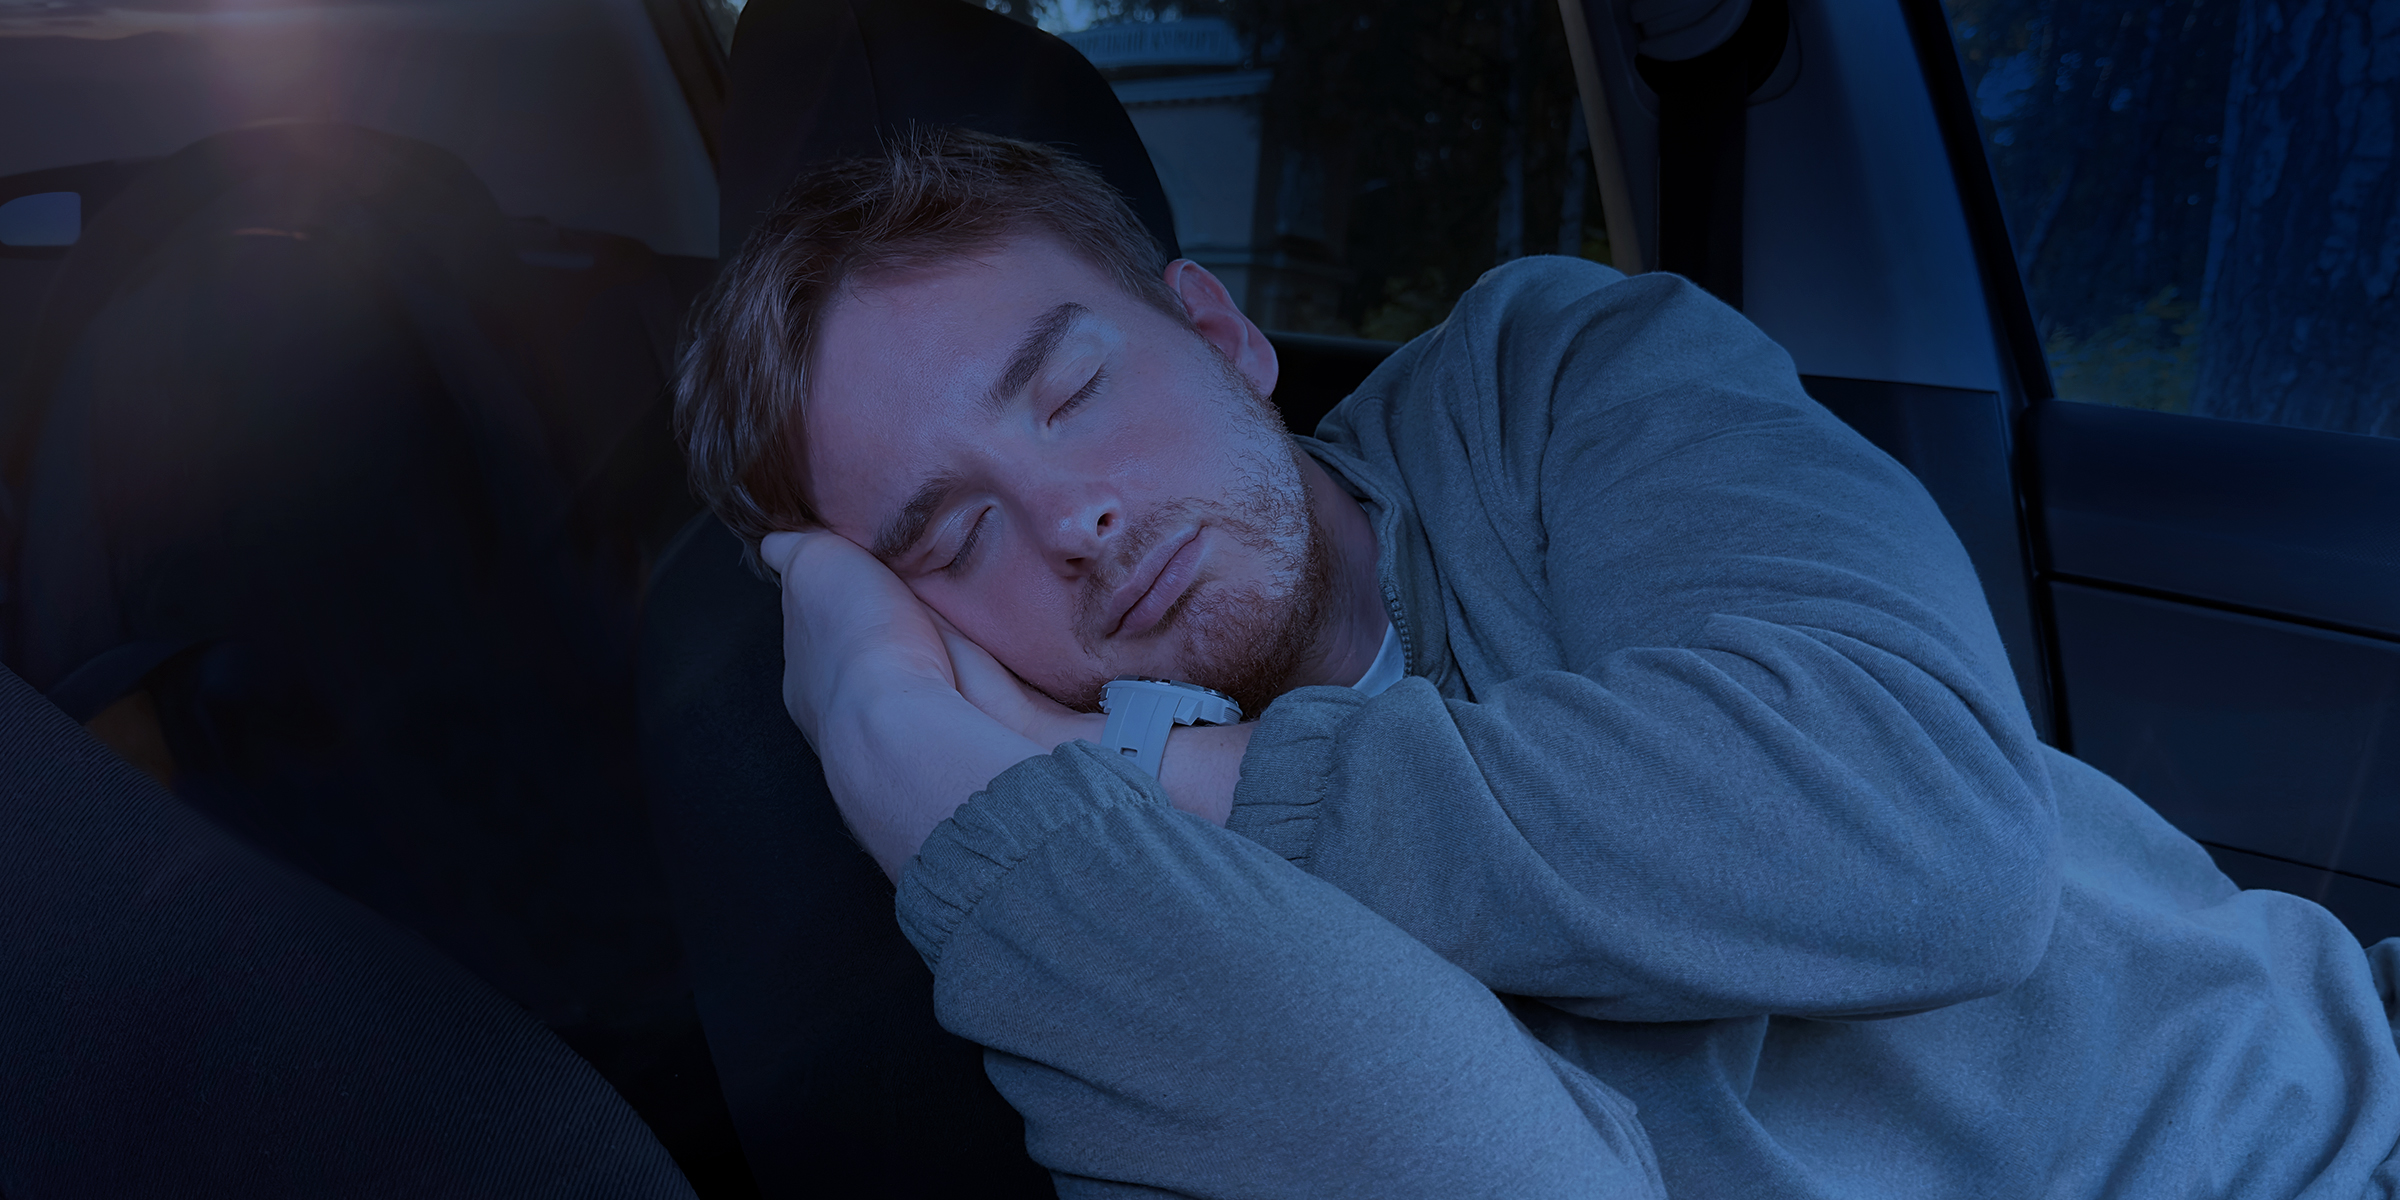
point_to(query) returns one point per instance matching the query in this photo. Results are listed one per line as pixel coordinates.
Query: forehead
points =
(904, 360)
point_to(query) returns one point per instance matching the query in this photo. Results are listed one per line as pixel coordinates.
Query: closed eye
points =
(1081, 394)
(958, 562)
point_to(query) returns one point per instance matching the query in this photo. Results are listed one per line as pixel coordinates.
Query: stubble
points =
(1247, 640)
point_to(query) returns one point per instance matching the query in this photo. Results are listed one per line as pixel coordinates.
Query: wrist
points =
(866, 710)
(1143, 712)
(1074, 727)
(921, 728)
(900, 759)
(1201, 767)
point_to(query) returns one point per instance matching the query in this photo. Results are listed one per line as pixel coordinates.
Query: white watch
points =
(1142, 710)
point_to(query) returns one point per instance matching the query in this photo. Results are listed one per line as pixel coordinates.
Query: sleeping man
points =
(1628, 794)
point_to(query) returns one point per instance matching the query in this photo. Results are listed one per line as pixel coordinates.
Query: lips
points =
(1157, 582)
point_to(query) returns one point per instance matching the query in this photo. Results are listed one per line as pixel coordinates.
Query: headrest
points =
(819, 80)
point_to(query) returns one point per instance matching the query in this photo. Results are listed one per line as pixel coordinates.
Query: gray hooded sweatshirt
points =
(1709, 795)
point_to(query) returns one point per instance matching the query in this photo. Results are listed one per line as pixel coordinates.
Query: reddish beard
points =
(1248, 641)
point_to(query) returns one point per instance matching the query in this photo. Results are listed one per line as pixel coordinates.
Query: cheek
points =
(1215, 433)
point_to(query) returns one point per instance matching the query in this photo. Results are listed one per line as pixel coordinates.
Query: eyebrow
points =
(908, 528)
(1032, 353)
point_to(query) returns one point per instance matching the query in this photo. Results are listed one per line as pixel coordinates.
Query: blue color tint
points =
(2200, 198)
(2246, 732)
(42, 219)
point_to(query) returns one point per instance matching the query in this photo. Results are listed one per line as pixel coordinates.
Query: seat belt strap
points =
(1703, 117)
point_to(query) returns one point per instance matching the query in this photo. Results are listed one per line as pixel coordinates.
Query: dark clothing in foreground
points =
(1711, 790)
(181, 1016)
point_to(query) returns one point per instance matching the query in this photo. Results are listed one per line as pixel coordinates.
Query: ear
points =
(1221, 322)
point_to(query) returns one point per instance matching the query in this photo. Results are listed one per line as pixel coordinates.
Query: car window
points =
(722, 16)
(566, 109)
(1350, 166)
(2202, 200)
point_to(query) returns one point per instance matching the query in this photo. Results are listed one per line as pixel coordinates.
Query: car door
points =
(2216, 487)
(2066, 262)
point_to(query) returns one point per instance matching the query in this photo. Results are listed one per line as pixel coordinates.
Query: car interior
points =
(339, 497)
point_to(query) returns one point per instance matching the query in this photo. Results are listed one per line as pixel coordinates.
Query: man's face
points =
(1080, 483)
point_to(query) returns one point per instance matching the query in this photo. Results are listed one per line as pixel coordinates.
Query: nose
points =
(1080, 524)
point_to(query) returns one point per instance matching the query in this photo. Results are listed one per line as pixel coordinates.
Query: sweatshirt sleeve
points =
(1176, 1011)
(1726, 729)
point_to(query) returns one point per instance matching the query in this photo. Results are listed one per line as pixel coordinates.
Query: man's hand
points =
(870, 683)
(847, 622)
(1010, 700)
(1198, 771)
(910, 718)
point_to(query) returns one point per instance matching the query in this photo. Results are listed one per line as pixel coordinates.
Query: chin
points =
(1226, 654)
(1081, 695)
(1248, 645)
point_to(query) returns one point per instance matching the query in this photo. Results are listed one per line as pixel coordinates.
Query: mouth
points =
(1157, 582)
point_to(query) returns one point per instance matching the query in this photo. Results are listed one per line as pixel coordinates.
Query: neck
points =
(1355, 617)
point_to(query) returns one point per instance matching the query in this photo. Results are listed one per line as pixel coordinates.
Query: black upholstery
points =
(816, 80)
(1315, 372)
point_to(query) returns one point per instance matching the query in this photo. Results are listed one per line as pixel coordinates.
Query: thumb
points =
(777, 550)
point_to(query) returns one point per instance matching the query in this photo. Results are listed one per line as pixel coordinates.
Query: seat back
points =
(284, 464)
(819, 1013)
(819, 80)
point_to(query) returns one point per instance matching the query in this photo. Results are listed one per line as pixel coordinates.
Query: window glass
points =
(722, 16)
(2202, 198)
(1350, 166)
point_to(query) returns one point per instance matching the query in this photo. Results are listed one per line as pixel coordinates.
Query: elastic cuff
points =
(967, 855)
(1288, 769)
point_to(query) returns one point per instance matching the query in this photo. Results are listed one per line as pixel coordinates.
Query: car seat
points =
(818, 1011)
(288, 460)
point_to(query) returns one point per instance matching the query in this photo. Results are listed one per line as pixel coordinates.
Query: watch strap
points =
(1142, 712)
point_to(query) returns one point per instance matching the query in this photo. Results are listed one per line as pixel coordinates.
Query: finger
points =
(958, 643)
(963, 657)
(965, 651)
(943, 623)
(970, 665)
(982, 677)
(778, 549)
